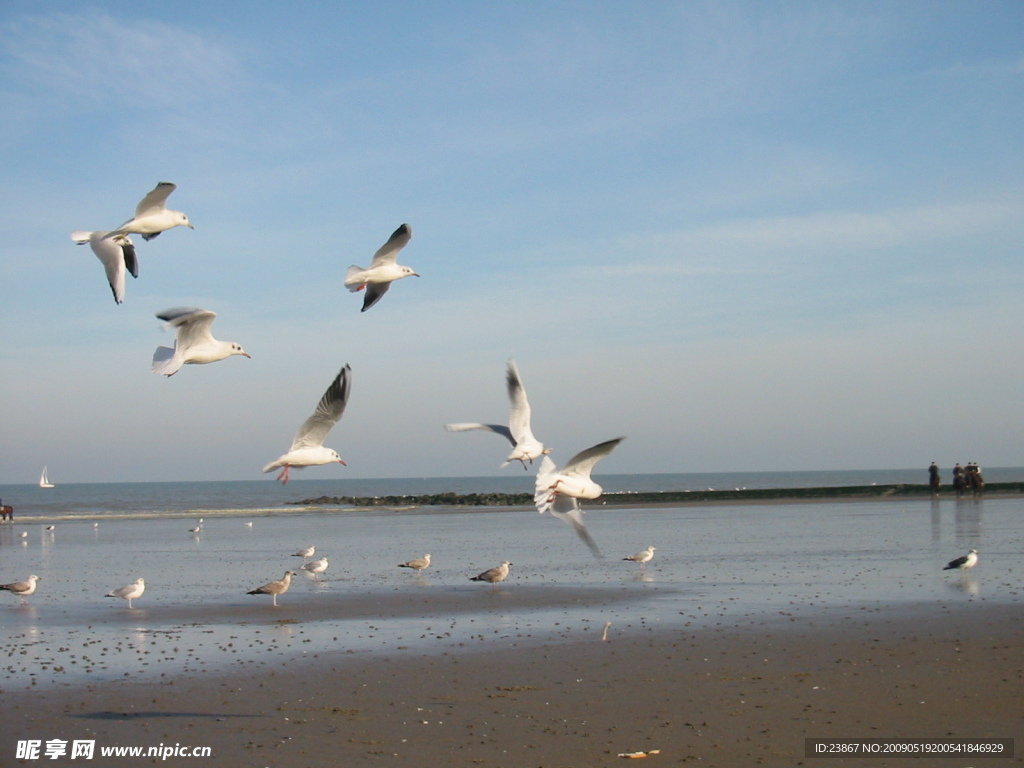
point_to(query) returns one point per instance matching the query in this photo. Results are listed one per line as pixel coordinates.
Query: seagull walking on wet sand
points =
(152, 216)
(307, 447)
(193, 342)
(383, 270)
(964, 563)
(117, 254)
(275, 588)
(130, 592)
(22, 588)
(525, 447)
(418, 565)
(316, 567)
(643, 557)
(494, 575)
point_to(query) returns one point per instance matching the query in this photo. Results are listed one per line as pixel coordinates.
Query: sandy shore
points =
(731, 695)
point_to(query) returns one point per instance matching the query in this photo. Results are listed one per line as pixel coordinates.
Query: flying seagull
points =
(558, 491)
(22, 588)
(643, 557)
(152, 216)
(963, 563)
(308, 446)
(525, 447)
(383, 270)
(494, 575)
(130, 592)
(193, 342)
(419, 564)
(117, 254)
(275, 588)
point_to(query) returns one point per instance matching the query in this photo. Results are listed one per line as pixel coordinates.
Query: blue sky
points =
(747, 236)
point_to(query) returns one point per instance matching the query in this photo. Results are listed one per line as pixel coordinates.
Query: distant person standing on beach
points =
(959, 482)
(933, 479)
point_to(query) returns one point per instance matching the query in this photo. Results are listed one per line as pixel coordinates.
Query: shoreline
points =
(521, 501)
(744, 693)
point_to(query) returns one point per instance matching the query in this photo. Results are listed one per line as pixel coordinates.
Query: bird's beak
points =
(414, 274)
(247, 355)
(342, 463)
(190, 226)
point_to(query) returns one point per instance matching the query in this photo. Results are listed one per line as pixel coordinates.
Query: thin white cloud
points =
(95, 61)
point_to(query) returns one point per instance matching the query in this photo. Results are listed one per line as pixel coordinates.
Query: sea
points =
(68, 501)
(202, 547)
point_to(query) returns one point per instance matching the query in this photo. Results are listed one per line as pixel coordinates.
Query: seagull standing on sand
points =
(275, 588)
(316, 567)
(558, 491)
(306, 553)
(193, 342)
(130, 592)
(307, 447)
(117, 255)
(383, 270)
(152, 215)
(643, 557)
(494, 575)
(525, 447)
(22, 588)
(419, 564)
(963, 563)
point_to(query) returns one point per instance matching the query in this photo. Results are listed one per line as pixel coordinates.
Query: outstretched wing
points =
(567, 509)
(191, 324)
(314, 429)
(386, 253)
(519, 413)
(499, 429)
(583, 462)
(374, 292)
(156, 200)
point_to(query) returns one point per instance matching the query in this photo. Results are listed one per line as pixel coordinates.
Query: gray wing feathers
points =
(387, 252)
(328, 411)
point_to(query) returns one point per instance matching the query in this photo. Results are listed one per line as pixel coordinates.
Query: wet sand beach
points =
(752, 629)
(745, 693)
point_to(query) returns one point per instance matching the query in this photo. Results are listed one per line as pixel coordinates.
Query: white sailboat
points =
(44, 481)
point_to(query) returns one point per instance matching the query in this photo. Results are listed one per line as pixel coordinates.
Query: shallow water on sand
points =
(714, 565)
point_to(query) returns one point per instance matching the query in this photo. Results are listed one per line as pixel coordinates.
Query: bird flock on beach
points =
(557, 491)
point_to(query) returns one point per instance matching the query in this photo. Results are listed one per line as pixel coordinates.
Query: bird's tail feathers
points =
(80, 236)
(545, 476)
(164, 361)
(352, 282)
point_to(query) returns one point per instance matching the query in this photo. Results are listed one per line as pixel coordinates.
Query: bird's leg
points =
(283, 477)
(275, 600)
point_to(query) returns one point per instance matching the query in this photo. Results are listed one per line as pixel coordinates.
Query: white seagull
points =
(494, 575)
(117, 254)
(643, 557)
(525, 447)
(307, 448)
(419, 564)
(22, 588)
(152, 215)
(275, 588)
(316, 567)
(558, 491)
(130, 592)
(306, 553)
(963, 563)
(193, 342)
(383, 270)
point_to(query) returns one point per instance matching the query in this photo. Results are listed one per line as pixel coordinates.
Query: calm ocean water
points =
(715, 566)
(182, 499)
